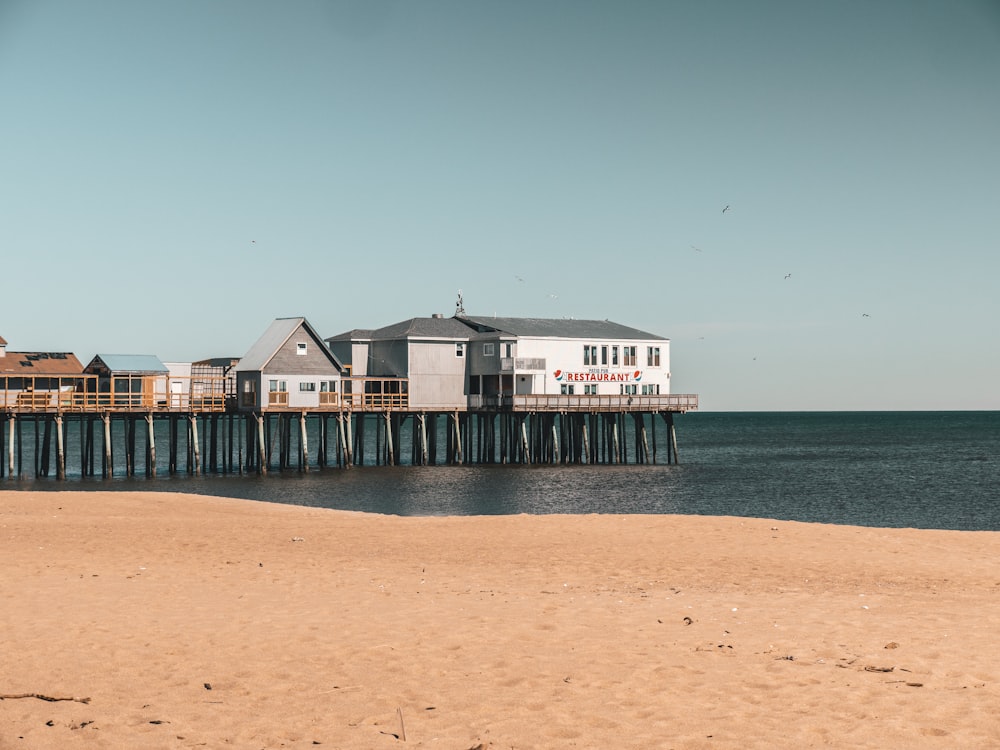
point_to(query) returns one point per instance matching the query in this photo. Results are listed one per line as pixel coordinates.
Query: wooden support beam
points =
(194, 444)
(423, 439)
(390, 447)
(261, 446)
(151, 442)
(108, 468)
(458, 439)
(10, 447)
(304, 440)
(645, 440)
(349, 444)
(60, 452)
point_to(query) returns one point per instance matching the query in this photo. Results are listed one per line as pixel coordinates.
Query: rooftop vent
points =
(437, 315)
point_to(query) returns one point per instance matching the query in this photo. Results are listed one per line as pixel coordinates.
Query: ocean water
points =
(884, 469)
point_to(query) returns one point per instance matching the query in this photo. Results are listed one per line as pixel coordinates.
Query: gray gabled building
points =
(289, 367)
(428, 354)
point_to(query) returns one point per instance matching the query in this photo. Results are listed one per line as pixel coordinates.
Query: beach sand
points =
(187, 621)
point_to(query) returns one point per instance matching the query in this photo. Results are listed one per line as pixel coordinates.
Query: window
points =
(567, 390)
(249, 392)
(589, 355)
(508, 349)
(590, 390)
(652, 356)
(307, 387)
(628, 356)
(278, 395)
(459, 350)
(300, 348)
(487, 350)
(327, 392)
(604, 354)
(614, 356)
(628, 390)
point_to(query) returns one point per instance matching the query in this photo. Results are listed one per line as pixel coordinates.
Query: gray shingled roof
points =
(559, 328)
(425, 328)
(355, 334)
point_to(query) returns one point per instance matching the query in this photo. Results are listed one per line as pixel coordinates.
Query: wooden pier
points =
(75, 429)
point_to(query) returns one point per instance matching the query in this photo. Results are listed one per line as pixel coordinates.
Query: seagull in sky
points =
(519, 279)
(865, 315)
(726, 208)
(696, 249)
(788, 276)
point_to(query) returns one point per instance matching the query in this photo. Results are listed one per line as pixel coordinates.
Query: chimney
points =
(437, 315)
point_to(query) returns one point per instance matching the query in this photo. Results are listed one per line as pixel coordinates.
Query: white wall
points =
(565, 357)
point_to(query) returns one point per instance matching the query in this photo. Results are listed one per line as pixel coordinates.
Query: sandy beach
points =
(155, 620)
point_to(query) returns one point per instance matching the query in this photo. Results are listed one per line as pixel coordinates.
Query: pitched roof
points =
(145, 363)
(274, 338)
(40, 363)
(217, 362)
(425, 328)
(558, 328)
(356, 334)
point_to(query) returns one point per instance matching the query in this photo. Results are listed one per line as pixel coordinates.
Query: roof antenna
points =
(459, 309)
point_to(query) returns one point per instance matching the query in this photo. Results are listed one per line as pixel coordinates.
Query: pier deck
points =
(121, 421)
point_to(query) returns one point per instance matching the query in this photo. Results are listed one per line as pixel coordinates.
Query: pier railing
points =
(163, 393)
(558, 402)
(376, 394)
(95, 393)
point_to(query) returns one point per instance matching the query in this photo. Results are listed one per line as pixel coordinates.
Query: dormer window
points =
(300, 348)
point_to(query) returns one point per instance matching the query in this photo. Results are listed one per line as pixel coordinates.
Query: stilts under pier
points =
(152, 443)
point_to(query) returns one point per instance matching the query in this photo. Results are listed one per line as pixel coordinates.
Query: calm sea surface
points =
(891, 469)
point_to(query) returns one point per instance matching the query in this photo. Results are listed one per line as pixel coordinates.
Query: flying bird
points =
(726, 208)
(519, 279)
(788, 276)
(865, 315)
(696, 249)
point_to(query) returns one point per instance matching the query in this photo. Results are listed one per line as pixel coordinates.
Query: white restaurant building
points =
(483, 361)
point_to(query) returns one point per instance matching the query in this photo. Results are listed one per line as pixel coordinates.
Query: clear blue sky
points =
(175, 175)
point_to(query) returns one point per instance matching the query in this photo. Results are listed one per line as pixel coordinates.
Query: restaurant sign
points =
(598, 376)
